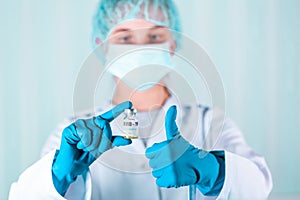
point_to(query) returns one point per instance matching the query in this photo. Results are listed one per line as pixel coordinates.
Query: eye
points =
(155, 37)
(125, 39)
(158, 35)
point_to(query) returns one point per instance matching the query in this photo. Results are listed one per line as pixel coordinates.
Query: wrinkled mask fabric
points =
(139, 66)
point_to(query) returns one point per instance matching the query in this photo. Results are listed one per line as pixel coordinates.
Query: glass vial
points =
(130, 124)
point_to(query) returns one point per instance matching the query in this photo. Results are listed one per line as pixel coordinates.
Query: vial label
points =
(130, 124)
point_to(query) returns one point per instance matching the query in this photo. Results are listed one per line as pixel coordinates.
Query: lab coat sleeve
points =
(244, 179)
(36, 182)
(246, 173)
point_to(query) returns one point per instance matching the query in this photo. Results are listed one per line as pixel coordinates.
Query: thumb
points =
(120, 141)
(170, 124)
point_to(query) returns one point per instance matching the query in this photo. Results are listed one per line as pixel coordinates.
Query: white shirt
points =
(124, 173)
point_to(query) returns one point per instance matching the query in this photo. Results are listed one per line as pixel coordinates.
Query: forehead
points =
(133, 25)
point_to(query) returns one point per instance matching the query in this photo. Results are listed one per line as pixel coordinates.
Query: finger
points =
(70, 135)
(85, 139)
(84, 134)
(170, 123)
(96, 133)
(107, 131)
(160, 161)
(105, 142)
(158, 173)
(116, 111)
(167, 179)
(120, 141)
(155, 149)
(95, 141)
(80, 145)
(161, 182)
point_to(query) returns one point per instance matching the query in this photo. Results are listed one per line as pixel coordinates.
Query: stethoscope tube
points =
(192, 192)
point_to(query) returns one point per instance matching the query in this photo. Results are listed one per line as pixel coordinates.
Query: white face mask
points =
(140, 66)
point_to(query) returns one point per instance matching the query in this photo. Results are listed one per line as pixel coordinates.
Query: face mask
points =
(140, 66)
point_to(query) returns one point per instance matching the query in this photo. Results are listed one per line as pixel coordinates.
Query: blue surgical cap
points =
(111, 13)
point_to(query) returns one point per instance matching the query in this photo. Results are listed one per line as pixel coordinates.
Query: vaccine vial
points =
(130, 124)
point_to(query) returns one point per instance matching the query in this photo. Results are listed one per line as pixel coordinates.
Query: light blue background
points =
(254, 43)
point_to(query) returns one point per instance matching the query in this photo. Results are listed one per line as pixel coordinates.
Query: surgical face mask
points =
(139, 66)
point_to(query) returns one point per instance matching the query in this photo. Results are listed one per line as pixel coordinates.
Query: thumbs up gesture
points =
(175, 162)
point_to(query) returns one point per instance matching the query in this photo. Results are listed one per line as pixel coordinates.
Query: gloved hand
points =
(82, 143)
(177, 163)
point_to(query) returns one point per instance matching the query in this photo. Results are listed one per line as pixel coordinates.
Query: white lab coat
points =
(124, 173)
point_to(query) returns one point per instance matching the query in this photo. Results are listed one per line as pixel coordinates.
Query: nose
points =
(141, 36)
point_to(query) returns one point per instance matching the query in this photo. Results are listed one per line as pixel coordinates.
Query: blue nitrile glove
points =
(177, 163)
(82, 143)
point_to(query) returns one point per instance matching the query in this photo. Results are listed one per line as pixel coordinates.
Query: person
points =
(83, 159)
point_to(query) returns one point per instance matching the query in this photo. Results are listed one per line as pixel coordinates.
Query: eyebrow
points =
(127, 29)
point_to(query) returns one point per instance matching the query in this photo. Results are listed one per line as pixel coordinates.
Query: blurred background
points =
(255, 45)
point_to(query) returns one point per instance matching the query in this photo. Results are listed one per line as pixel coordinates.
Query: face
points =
(140, 32)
